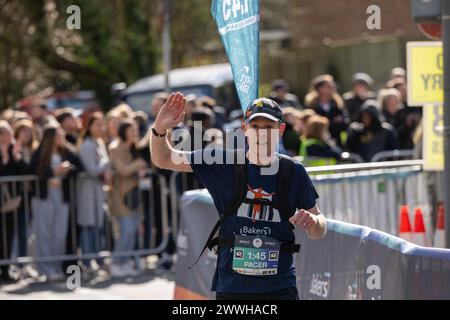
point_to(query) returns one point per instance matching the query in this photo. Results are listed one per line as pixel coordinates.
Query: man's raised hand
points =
(172, 113)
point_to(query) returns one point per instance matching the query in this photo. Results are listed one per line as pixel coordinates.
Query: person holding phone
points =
(56, 164)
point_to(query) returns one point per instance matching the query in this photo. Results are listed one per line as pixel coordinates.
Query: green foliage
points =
(118, 41)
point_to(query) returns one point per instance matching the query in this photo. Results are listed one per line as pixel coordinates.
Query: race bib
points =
(256, 256)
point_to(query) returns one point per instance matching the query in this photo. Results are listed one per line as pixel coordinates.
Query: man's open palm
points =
(172, 113)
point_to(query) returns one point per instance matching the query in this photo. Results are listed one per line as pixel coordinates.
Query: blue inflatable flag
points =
(238, 24)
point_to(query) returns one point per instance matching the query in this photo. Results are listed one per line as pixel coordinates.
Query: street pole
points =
(446, 44)
(166, 45)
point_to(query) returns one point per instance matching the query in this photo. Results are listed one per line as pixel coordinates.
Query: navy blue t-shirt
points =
(220, 181)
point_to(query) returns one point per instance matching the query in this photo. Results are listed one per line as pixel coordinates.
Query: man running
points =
(255, 247)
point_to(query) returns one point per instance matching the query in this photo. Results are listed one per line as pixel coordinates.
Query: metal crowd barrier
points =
(393, 155)
(352, 157)
(345, 193)
(17, 226)
(371, 194)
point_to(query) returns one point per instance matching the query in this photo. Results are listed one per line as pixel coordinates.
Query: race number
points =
(256, 256)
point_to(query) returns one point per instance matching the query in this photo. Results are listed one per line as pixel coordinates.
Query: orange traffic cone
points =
(439, 235)
(420, 237)
(405, 226)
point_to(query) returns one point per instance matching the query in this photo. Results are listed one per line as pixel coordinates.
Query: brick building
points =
(317, 22)
(331, 36)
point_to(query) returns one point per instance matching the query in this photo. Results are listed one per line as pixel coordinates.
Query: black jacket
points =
(323, 151)
(338, 119)
(368, 141)
(405, 122)
(67, 181)
(291, 140)
(353, 104)
(13, 168)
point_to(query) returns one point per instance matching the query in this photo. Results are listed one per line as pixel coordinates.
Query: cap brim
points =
(262, 115)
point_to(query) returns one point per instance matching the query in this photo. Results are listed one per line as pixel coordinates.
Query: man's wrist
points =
(159, 131)
(318, 229)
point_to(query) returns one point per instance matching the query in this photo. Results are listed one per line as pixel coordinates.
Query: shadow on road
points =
(28, 286)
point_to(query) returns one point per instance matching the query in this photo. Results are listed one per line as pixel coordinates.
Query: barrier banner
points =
(358, 263)
(238, 24)
(198, 215)
(351, 263)
(373, 198)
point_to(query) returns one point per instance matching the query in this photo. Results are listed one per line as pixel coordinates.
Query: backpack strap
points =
(284, 178)
(240, 174)
(285, 247)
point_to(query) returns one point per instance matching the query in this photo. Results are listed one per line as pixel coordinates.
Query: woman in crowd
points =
(404, 119)
(326, 102)
(56, 164)
(112, 123)
(11, 164)
(23, 134)
(304, 118)
(316, 147)
(91, 193)
(26, 142)
(128, 166)
(391, 106)
(291, 136)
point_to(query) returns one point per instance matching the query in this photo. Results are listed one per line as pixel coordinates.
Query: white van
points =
(215, 81)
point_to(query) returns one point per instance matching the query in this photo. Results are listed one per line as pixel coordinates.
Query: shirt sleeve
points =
(307, 194)
(205, 173)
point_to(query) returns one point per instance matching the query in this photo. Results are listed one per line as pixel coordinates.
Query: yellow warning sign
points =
(433, 137)
(425, 73)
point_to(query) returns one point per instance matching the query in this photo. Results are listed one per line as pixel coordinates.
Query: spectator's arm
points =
(353, 139)
(124, 169)
(77, 166)
(392, 140)
(23, 168)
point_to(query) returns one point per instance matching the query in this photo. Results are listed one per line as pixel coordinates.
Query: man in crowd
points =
(70, 124)
(353, 100)
(370, 134)
(280, 94)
